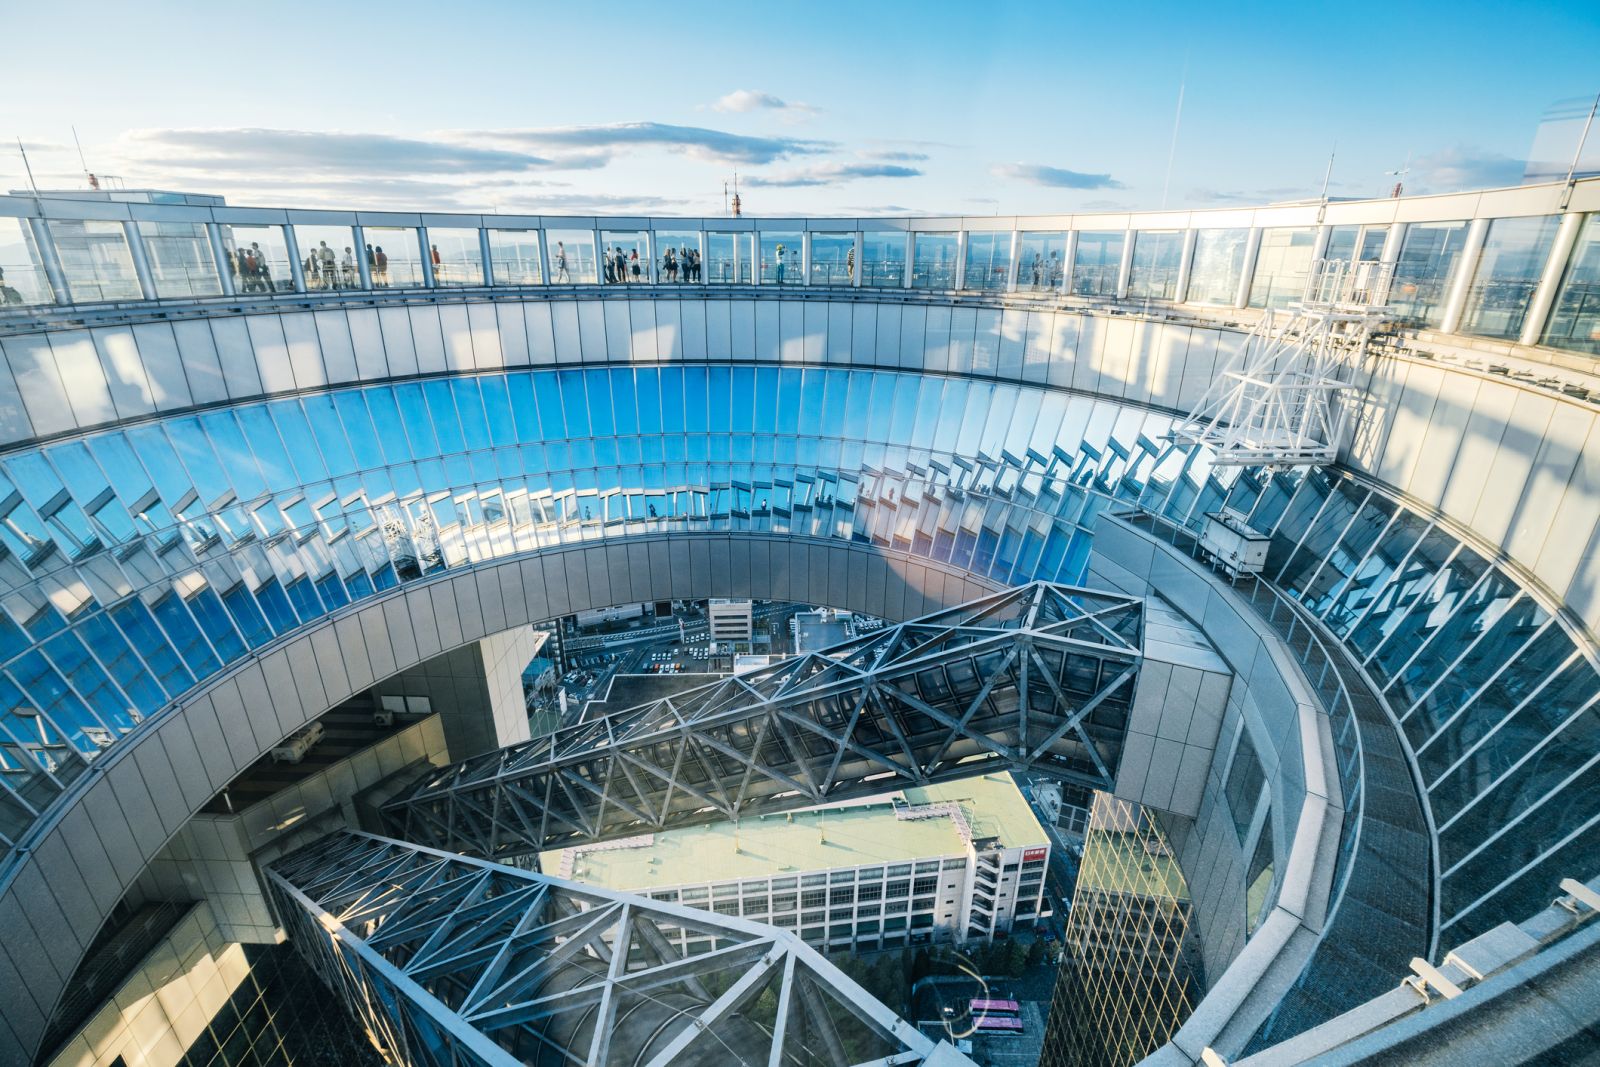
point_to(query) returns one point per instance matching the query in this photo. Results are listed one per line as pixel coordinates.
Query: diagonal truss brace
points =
(450, 960)
(1040, 677)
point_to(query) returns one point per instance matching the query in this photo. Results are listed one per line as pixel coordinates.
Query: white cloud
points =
(744, 101)
(831, 174)
(1053, 177)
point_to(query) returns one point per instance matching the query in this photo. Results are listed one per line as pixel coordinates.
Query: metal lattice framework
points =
(451, 961)
(1276, 405)
(1040, 677)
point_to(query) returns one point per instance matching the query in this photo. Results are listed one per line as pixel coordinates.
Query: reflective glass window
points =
(933, 260)
(1507, 272)
(1218, 264)
(1427, 258)
(572, 259)
(95, 259)
(988, 260)
(624, 257)
(1097, 262)
(328, 257)
(456, 252)
(179, 254)
(515, 257)
(1355, 244)
(257, 259)
(730, 258)
(833, 258)
(396, 259)
(1575, 319)
(678, 258)
(883, 258)
(1243, 788)
(1282, 266)
(780, 257)
(1157, 256)
(22, 277)
(1039, 261)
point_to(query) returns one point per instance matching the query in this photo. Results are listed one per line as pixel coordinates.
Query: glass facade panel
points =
(988, 260)
(933, 261)
(515, 257)
(780, 257)
(1097, 262)
(257, 259)
(624, 257)
(572, 258)
(678, 257)
(1507, 272)
(22, 276)
(833, 259)
(328, 257)
(396, 258)
(1157, 258)
(1039, 261)
(1421, 275)
(1575, 318)
(730, 258)
(179, 254)
(1218, 265)
(95, 260)
(1282, 267)
(883, 258)
(457, 255)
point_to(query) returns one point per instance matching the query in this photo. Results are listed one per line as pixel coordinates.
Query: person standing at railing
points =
(438, 266)
(348, 268)
(380, 261)
(325, 254)
(850, 266)
(561, 263)
(778, 255)
(669, 266)
(262, 271)
(633, 265)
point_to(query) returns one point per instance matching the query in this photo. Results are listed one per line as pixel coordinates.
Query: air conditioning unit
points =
(1233, 544)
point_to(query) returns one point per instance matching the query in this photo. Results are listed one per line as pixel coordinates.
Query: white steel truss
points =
(454, 961)
(1040, 677)
(1277, 404)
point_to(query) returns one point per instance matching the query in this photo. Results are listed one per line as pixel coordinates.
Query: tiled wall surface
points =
(217, 857)
(166, 1002)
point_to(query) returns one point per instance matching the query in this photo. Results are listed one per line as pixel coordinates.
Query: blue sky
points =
(823, 108)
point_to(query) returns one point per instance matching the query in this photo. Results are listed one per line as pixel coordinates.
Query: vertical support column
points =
(961, 260)
(1180, 292)
(427, 258)
(599, 268)
(219, 255)
(1455, 301)
(483, 252)
(45, 245)
(1319, 243)
(1544, 297)
(297, 266)
(805, 257)
(911, 250)
(141, 263)
(1125, 267)
(1067, 259)
(855, 274)
(363, 268)
(1011, 271)
(648, 274)
(1247, 271)
(1393, 241)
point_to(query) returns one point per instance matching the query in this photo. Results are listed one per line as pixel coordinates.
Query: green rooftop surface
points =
(850, 834)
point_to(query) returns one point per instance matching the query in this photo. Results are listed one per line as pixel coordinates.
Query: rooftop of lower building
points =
(851, 834)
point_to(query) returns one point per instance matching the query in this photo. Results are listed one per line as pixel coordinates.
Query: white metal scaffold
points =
(1276, 404)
